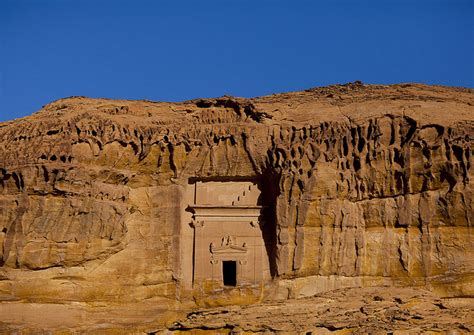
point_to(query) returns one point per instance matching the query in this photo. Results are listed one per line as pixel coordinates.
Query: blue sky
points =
(178, 50)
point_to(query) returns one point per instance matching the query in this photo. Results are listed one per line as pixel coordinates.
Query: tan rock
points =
(350, 186)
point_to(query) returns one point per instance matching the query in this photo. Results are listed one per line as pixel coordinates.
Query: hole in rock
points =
(357, 164)
(52, 132)
(361, 144)
(345, 146)
(229, 273)
(458, 152)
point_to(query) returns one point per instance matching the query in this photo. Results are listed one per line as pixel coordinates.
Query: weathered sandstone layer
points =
(363, 185)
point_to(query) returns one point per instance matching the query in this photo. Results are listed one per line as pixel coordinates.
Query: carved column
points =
(199, 250)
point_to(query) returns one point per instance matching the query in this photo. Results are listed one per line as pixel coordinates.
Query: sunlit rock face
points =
(353, 185)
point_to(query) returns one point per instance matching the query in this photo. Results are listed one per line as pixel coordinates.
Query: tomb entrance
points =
(228, 242)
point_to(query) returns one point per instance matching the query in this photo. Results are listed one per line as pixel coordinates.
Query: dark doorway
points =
(229, 273)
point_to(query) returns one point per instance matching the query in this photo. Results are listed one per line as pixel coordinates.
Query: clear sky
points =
(178, 50)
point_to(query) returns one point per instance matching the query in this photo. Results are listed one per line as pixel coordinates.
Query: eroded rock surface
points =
(371, 185)
(346, 311)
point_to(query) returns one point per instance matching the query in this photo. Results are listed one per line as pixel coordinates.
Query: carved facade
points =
(229, 249)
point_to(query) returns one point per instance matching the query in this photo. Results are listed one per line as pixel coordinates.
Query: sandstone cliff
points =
(365, 184)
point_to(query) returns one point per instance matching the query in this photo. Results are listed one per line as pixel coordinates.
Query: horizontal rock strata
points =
(369, 185)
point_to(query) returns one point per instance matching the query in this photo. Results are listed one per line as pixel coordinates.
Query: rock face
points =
(360, 185)
(348, 311)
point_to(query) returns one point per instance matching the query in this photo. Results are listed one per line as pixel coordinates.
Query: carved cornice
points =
(249, 214)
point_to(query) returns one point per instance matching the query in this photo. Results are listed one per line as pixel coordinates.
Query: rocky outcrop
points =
(347, 311)
(366, 185)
